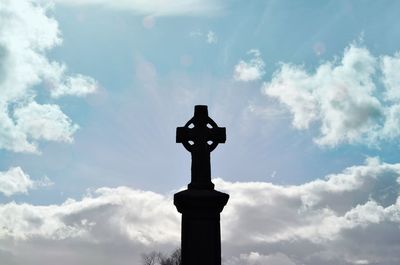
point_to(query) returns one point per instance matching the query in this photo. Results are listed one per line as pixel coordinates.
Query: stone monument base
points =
(201, 233)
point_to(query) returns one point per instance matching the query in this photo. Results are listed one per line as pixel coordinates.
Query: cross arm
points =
(217, 135)
(182, 134)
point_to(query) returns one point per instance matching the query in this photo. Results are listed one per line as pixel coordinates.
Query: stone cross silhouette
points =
(200, 205)
(200, 136)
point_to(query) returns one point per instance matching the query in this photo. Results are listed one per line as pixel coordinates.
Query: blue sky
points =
(92, 92)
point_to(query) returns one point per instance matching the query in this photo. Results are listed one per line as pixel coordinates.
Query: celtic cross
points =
(200, 136)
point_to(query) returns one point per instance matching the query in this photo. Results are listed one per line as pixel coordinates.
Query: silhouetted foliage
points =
(158, 258)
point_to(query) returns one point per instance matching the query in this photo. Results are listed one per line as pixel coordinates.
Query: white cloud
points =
(44, 122)
(251, 70)
(342, 97)
(156, 7)
(15, 181)
(391, 77)
(211, 37)
(77, 85)
(27, 32)
(348, 218)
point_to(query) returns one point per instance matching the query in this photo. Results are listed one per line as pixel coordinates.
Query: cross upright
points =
(200, 136)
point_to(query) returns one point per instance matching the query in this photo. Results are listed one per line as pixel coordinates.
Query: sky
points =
(91, 93)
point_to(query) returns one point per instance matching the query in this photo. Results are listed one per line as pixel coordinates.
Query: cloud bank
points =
(352, 217)
(27, 33)
(353, 100)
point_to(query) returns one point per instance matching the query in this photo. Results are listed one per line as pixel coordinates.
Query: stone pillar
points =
(201, 234)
